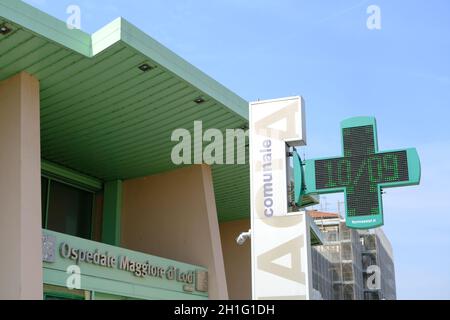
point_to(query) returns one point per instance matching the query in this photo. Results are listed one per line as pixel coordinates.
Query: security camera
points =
(243, 237)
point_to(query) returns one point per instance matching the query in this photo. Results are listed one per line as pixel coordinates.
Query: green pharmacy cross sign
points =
(362, 173)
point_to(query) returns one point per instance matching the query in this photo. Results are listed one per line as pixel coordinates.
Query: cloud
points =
(443, 79)
(342, 12)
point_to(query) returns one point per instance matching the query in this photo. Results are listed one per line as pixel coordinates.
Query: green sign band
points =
(112, 270)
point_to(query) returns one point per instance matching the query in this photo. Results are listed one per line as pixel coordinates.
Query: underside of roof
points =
(103, 116)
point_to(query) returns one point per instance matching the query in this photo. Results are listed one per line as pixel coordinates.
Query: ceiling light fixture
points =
(146, 67)
(4, 29)
(199, 100)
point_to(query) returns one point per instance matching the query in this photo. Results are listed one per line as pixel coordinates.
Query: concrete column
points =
(173, 215)
(20, 189)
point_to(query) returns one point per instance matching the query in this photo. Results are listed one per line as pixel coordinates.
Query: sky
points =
(323, 51)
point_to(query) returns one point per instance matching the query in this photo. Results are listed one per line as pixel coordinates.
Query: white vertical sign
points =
(274, 124)
(281, 264)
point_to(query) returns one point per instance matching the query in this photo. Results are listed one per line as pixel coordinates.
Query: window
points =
(56, 296)
(66, 208)
(44, 193)
(62, 293)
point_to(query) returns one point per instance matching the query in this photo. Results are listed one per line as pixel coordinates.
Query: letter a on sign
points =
(292, 271)
(281, 258)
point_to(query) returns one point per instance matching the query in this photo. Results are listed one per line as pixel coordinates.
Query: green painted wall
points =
(112, 207)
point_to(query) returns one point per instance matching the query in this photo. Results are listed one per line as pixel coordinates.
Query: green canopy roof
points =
(103, 116)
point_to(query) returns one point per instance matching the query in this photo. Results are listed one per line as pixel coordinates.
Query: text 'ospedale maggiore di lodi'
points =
(124, 263)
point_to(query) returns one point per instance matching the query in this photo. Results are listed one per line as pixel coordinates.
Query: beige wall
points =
(237, 259)
(173, 215)
(20, 196)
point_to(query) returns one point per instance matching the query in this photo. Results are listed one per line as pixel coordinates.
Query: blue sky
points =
(323, 51)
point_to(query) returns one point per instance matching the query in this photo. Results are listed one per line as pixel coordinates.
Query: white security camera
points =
(243, 237)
